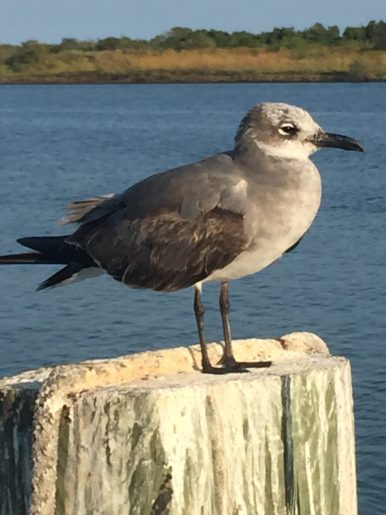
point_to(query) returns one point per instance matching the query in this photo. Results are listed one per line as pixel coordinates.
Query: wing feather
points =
(170, 230)
(165, 252)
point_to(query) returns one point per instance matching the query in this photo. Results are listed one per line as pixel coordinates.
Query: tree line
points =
(370, 36)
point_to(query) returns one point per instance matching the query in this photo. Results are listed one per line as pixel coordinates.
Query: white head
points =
(286, 131)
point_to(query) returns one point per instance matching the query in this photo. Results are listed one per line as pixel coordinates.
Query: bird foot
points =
(209, 369)
(230, 362)
(231, 366)
(255, 364)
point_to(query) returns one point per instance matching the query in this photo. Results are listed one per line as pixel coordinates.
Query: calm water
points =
(60, 143)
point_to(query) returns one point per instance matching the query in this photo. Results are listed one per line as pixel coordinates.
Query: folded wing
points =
(171, 230)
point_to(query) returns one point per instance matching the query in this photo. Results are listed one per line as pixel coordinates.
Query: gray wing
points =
(172, 229)
(192, 189)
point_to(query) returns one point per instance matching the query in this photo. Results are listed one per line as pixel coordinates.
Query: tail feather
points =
(48, 244)
(64, 276)
(54, 250)
(27, 258)
(53, 247)
(58, 250)
(70, 274)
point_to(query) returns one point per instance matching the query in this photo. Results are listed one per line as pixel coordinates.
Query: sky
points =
(51, 20)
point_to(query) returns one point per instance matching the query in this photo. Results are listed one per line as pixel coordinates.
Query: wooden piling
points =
(149, 434)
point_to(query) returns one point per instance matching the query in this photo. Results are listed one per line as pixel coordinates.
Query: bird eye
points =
(288, 129)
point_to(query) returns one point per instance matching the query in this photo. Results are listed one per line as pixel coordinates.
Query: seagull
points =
(222, 218)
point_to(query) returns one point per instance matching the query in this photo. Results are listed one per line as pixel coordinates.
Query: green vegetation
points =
(183, 55)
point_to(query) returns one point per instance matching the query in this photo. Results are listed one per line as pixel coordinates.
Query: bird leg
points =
(229, 362)
(199, 311)
(228, 358)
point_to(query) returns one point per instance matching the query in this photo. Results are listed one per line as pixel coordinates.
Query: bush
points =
(29, 53)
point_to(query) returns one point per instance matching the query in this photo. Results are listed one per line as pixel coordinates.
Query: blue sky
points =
(51, 20)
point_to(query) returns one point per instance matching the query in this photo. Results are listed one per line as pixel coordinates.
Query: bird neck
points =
(251, 149)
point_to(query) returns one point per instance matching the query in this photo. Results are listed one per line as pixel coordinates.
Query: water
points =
(60, 143)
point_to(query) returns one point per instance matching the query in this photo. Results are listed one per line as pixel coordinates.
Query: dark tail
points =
(27, 258)
(52, 250)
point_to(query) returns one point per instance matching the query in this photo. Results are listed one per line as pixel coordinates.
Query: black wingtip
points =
(25, 241)
(42, 286)
(63, 276)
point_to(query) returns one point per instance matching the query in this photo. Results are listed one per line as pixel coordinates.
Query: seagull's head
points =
(288, 132)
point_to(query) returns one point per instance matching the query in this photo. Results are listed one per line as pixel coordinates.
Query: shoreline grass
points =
(319, 64)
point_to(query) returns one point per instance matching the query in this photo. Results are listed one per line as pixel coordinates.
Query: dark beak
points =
(327, 139)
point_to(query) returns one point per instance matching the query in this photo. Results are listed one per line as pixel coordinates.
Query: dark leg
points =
(199, 311)
(229, 359)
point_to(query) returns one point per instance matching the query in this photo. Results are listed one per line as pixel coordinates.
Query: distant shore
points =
(319, 64)
(182, 55)
(187, 78)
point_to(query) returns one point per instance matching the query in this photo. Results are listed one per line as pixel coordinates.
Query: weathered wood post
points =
(149, 434)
